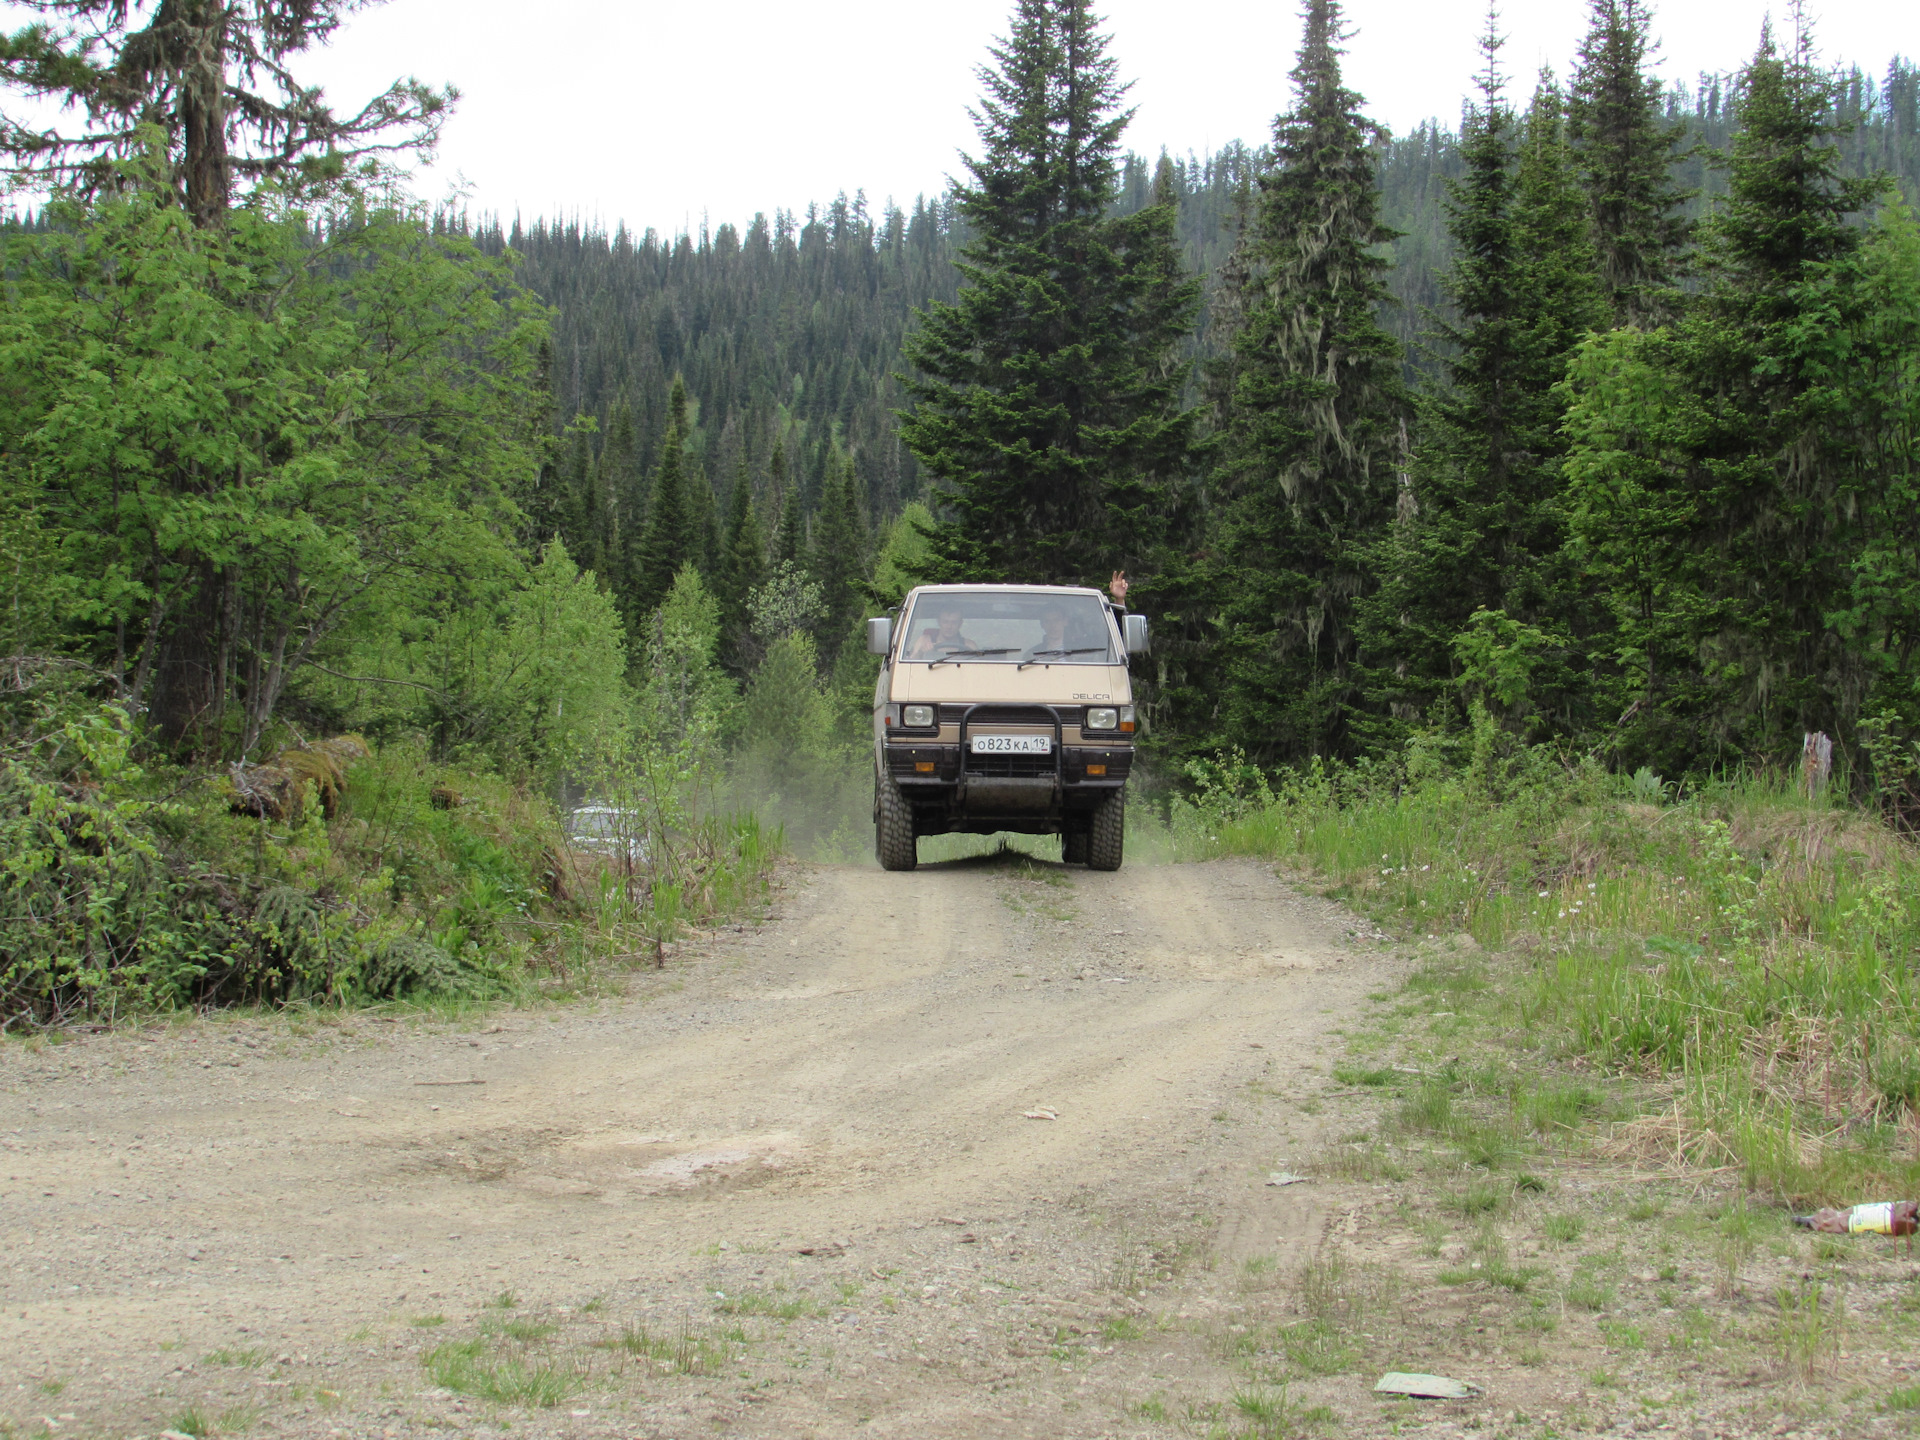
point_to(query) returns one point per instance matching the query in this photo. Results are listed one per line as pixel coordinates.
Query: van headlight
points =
(1103, 717)
(916, 717)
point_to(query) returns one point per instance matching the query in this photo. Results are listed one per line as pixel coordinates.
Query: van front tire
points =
(1107, 837)
(893, 839)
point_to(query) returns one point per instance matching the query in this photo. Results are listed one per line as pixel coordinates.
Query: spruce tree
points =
(789, 536)
(1721, 503)
(743, 563)
(549, 504)
(617, 502)
(1045, 398)
(1626, 154)
(1487, 524)
(577, 479)
(839, 561)
(1312, 445)
(666, 541)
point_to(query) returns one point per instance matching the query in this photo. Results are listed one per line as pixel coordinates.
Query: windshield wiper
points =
(953, 655)
(1034, 658)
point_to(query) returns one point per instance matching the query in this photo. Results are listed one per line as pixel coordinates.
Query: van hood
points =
(914, 681)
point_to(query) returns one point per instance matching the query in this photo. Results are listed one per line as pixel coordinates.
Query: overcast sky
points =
(655, 113)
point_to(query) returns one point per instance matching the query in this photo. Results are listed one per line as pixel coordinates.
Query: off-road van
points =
(1004, 707)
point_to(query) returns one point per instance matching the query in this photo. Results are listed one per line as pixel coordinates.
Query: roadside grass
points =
(1735, 955)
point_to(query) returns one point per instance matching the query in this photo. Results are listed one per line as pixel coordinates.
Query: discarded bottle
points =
(1889, 1217)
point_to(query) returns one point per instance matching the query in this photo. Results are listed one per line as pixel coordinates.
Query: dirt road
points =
(791, 1188)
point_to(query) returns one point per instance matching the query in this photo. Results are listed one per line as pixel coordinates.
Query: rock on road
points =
(791, 1187)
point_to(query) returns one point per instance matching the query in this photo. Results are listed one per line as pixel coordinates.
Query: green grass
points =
(1316, 1347)
(478, 1367)
(775, 1305)
(1745, 946)
(1348, 1074)
(685, 1352)
(249, 1359)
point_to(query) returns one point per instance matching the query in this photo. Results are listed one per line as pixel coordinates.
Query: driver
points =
(947, 637)
(1053, 630)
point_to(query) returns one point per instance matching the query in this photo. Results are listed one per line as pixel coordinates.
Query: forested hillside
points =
(792, 328)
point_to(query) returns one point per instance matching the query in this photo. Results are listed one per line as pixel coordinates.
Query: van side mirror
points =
(1136, 634)
(879, 635)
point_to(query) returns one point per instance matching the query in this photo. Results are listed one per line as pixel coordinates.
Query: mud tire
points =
(893, 838)
(1107, 837)
(1073, 847)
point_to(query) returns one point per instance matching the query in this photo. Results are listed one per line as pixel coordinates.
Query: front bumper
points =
(1091, 767)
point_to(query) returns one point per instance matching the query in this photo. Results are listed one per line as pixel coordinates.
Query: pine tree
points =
(666, 541)
(1721, 503)
(1312, 442)
(1626, 155)
(1487, 524)
(1048, 392)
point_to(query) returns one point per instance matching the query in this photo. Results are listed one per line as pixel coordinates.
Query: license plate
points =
(1012, 744)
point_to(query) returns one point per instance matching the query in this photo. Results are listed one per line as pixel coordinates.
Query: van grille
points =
(1011, 715)
(1011, 767)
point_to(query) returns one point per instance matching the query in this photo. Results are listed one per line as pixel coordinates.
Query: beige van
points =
(1004, 707)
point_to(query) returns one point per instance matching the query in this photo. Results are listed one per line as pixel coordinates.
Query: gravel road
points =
(790, 1187)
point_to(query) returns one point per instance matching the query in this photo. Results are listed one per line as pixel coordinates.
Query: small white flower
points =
(1543, 894)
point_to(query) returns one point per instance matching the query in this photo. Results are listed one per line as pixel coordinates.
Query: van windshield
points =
(1007, 627)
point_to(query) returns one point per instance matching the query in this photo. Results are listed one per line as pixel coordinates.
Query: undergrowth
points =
(1745, 948)
(128, 888)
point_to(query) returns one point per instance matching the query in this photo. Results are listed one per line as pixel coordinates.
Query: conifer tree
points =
(702, 521)
(666, 541)
(549, 505)
(1312, 443)
(1626, 153)
(789, 536)
(617, 503)
(1487, 524)
(1046, 397)
(1720, 501)
(743, 563)
(839, 560)
(578, 482)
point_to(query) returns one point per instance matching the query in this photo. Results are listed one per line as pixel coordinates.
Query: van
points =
(1004, 708)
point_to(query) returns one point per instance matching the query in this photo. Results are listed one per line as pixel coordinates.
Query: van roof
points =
(994, 585)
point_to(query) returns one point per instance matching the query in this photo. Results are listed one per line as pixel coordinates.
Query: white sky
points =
(656, 113)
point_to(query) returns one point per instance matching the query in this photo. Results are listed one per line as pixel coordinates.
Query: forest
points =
(350, 543)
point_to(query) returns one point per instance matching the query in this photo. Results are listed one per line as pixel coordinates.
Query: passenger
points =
(947, 638)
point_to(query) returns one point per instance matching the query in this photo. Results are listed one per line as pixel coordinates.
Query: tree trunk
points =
(201, 35)
(185, 706)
